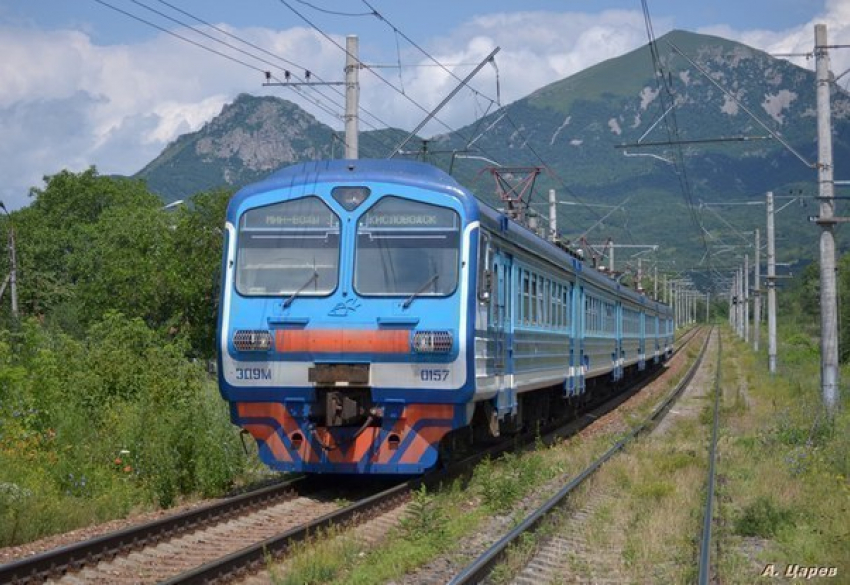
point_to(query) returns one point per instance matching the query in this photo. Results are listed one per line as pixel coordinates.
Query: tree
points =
(57, 228)
(197, 247)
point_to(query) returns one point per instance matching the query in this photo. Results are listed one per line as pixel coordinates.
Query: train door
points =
(581, 363)
(501, 317)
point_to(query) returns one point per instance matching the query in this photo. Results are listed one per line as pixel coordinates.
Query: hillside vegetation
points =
(106, 405)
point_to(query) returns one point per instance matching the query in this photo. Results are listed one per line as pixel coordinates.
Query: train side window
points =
(533, 299)
(556, 302)
(553, 303)
(541, 317)
(550, 303)
(526, 308)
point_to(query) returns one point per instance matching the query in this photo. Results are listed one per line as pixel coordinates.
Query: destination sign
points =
(394, 212)
(326, 220)
(309, 212)
(404, 219)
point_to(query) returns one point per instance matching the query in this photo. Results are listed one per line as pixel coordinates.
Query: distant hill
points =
(574, 127)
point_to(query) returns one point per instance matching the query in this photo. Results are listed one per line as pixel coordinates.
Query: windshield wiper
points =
(313, 278)
(409, 300)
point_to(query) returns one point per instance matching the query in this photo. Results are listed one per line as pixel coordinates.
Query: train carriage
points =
(370, 308)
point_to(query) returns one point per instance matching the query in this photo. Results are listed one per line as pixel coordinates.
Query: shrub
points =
(762, 518)
(92, 428)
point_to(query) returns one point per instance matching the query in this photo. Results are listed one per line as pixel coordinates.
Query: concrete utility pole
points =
(13, 273)
(707, 307)
(746, 298)
(827, 221)
(639, 284)
(12, 279)
(771, 288)
(655, 282)
(553, 216)
(757, 293)
(673, 305)
(732, 304)
(739, 280)
(352, 95)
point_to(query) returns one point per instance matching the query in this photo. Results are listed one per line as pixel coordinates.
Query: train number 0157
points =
(433, 375)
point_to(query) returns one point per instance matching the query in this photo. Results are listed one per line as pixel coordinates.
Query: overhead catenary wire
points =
(329, 38)
(315, 101)
(256, 47)
(411, 100)
(672, 128)
(334, 12)
(179, 36)
(252, 55)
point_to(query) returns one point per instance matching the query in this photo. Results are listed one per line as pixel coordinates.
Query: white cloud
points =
(66, 102)
(799, 41)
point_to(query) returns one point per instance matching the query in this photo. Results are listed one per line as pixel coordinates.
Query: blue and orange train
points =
(373, 310)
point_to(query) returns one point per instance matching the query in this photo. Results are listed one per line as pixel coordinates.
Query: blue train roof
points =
(412, 173)
(540, 247)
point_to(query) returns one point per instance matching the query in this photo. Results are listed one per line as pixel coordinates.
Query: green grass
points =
(785, 467)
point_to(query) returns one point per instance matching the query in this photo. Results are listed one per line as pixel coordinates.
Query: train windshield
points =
(287, 248)
(407, 248)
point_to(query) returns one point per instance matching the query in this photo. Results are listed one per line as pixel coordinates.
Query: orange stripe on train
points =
(354, 451)
(267, 434)
(342, 341)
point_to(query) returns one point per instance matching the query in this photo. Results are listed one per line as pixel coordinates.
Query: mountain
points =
(576, 124)
(692, 102)
(249, 139)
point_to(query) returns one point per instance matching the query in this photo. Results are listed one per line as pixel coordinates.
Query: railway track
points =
(156, 550)
(708, 516)
(479, 569)
(238, 535)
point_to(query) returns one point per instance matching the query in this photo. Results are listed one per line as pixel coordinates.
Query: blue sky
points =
(81, 84)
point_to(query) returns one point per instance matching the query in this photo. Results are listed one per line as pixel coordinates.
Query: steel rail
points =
(42, 566)
(478, 570)
(705, 544)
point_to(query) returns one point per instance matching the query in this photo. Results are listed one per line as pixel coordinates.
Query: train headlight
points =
(350, 197)
(432, 342)
(252, 340)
